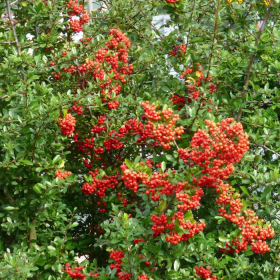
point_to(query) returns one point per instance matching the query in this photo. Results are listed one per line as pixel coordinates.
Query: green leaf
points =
(258, 158)
(162, 205)
(51, 248)
(9, 208)
(56, 159)
(39, 187)
(128, 163)
(163, 166)
(61, 163)
(266, 193)
(189, 216)
(170, 158)
(245, 190)
(223, 239)
(26, 161)
(176, 265)
(74, 225)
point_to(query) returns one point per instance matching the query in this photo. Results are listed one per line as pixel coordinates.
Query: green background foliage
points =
(45, 222)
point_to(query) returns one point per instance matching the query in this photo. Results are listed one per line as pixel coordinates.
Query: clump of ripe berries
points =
(204, 273)
(108, 68)
(80, 13)
(172, 1)
(117, 257)
(157, 185)
(62, 174)
(195, 79)
(247, 221)
(132, 179)
(174, 238)
(178, 50)
(86, 144)
(184, 154)
(178, 100)
(160, 126)
(67, 124)
(260, 247)
(76, 109)
(99, 186)
(215, 151)
(143, 277)
(137, 240)
(74, 274)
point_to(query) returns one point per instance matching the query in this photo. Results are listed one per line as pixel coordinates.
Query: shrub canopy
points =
(148, 147)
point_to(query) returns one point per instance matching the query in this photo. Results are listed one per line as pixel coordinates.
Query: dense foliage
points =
(151, 149)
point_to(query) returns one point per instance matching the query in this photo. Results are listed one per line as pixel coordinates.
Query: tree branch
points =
(33, 233)
(214, 37)
(13, 3)
(13, 26)
(4, 96)
(251, 61)
(9, 197)
(168, 205)
(268, 149)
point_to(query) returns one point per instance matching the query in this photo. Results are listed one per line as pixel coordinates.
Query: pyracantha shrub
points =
(165, 184)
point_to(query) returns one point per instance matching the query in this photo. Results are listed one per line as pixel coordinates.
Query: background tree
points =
(151, 206)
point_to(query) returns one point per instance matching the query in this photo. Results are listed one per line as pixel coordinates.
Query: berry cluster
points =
(143, 277)
(191, 228)
(62, 174)
(117, 257)
(76, 109)
(112, 144)
(178, 100)
(160, 126)
(76, 273)
(99, 186)
(260, 247)
(184, 154)
(108, 68)
(204, 273)
(160, 225)
(251, 230)
(157, 185)
(132, 179)
(195, 79)
(67, 124)
(137, 240)
(181, 49)
(189, 202)
(85, 145)
(215, 151)
(80, 14)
